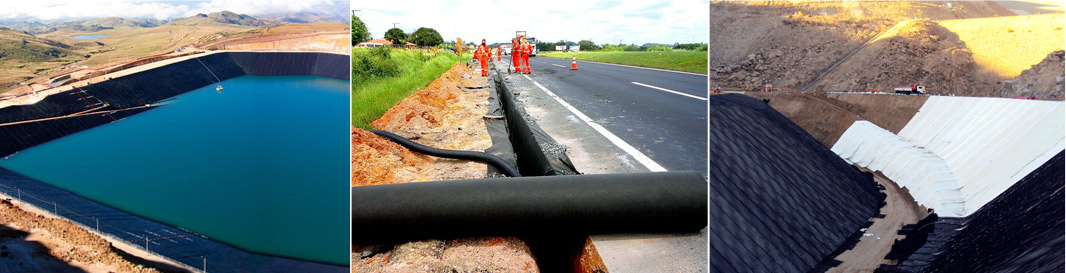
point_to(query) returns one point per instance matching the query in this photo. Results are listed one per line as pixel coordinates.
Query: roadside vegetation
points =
(677, 57)
(383, 76)
(677, 60)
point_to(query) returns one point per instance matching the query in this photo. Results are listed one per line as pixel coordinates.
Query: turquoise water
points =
(88, 36)
(261, 165)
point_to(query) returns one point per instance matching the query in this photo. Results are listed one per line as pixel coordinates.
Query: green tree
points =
(396, 36)
(359, 32)
(426, 37)
(659, 48)
(588, 45)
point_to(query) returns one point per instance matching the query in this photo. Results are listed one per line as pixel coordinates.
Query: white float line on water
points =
(668, 90)
(636, 154)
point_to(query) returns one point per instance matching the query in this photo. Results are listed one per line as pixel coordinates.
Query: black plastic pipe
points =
(578, 204)
(493, 160)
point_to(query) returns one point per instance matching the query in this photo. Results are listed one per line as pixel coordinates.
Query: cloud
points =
(548, 20)
(51, 10)
(604, 4)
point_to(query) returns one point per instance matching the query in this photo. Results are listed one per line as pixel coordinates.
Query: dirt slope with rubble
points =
(789, 44)
(915, 51)
(1043, 80)
(447, 114)
(968, 57)
(30, 242)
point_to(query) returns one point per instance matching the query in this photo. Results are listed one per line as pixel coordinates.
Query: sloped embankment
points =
(789, 43)
(915, 51)
(1043, 80)
(779, 201)
(447, 114)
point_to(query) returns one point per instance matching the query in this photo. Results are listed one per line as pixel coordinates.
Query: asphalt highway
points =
(662, 114)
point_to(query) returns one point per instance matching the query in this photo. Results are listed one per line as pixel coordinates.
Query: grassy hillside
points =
(687, 61)
(380, 81)
(116, 22)
(123, 44)
(24, 57)
(224, 17)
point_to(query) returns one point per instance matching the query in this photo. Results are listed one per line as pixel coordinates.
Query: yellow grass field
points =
(1009, 45)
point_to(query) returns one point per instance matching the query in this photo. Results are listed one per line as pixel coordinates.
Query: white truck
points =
(913, 89)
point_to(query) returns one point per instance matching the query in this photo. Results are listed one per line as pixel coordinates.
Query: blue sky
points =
(605, 21)
(51, 10)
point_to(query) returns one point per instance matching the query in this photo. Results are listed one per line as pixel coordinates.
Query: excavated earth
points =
(447, 114)
(881, 45)
(30, 242)
(915, 51)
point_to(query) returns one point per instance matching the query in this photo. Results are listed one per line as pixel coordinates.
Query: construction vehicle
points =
(533, 41)
(913, 89)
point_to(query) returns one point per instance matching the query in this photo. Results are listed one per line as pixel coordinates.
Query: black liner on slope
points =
(496, 124)
(779, 200)
(571, 204)
(528, 140)
(1021, 230)
(184, 247)
(148, 87)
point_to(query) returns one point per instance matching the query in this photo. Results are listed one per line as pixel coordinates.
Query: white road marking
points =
(640, 157)
(559, 65)
(648, 68)
(668, 90)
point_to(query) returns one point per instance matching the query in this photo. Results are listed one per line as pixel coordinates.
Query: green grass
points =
(681, 60)
(371, 97)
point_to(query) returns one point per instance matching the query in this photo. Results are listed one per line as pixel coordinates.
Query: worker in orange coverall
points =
(483, 54)
(499, 52)
(514, 54)
(526, 49)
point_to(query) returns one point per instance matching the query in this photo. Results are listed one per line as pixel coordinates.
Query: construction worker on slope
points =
(514, 53)
(526, 49)
(483, 53)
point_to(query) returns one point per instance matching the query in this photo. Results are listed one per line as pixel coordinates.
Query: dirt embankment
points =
(336, 42)
(1043, 80)
(30, 242)
(789, 44)
(447, 114)
(826, 116)
(915, 51)
(966, 57)
(753, 45)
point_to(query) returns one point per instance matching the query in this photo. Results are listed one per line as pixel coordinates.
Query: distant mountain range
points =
(34, 27)
(224, 17)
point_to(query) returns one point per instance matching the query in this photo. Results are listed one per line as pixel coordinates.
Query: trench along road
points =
(661, 114)
(620, 119)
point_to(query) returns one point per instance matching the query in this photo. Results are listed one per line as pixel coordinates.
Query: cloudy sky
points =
(602, 21)
(50, 10)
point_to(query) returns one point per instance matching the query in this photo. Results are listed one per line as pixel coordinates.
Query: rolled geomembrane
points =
(589, 204)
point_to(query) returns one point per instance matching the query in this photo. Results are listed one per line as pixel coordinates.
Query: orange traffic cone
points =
(573, 64)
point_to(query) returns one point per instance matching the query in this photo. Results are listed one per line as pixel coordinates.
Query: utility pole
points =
(394, 25)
